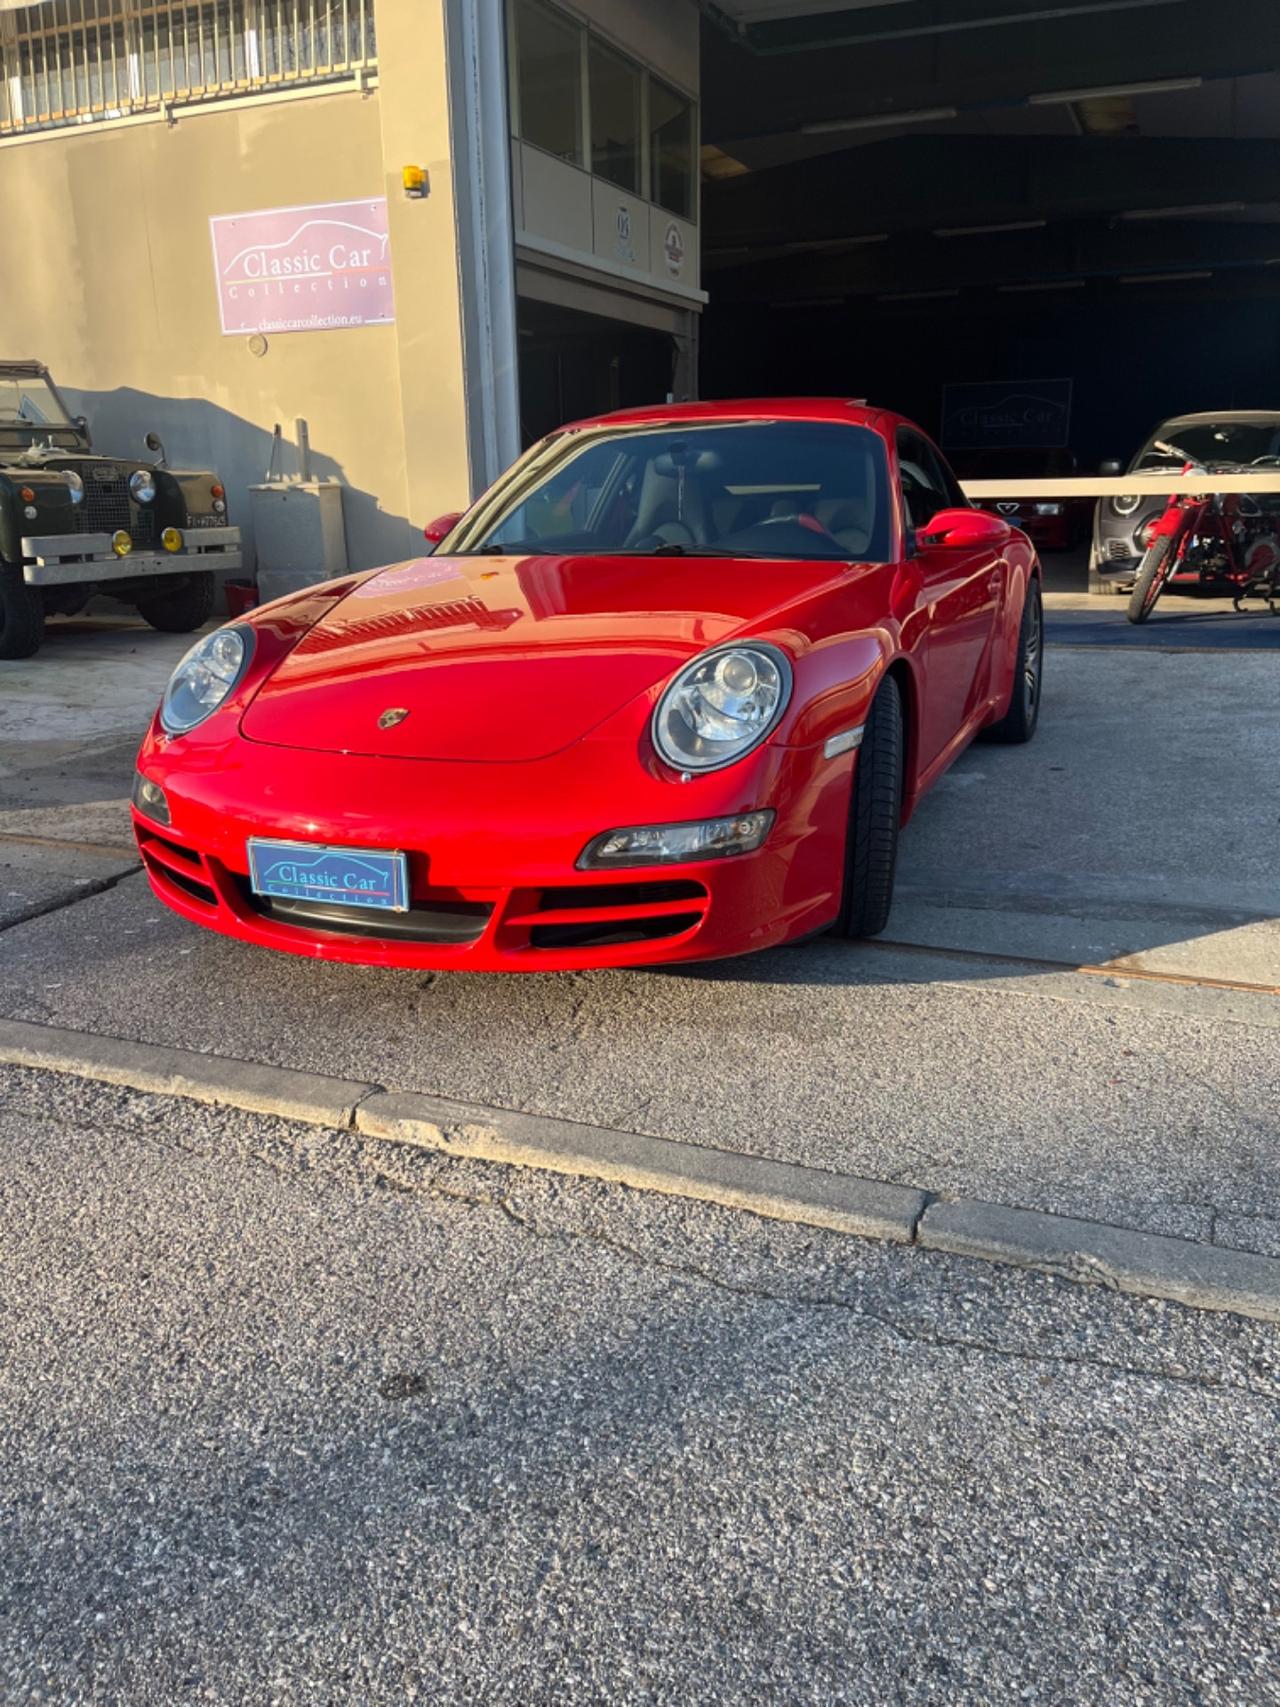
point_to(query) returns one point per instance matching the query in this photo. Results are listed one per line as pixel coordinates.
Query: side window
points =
(956, 499)
(923, 490)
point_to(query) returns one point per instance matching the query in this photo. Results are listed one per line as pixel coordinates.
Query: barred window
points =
(68, 62)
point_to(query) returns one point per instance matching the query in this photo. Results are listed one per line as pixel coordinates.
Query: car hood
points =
(502, 658)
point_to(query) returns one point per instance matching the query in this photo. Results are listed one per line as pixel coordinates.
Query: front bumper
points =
(492, 852)
(63, 559)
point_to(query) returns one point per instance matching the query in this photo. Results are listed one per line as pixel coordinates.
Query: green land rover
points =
(73, 524)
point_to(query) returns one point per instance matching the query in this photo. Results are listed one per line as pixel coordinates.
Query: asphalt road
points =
(286, 1418)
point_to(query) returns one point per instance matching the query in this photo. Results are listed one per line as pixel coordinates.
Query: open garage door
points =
(1038, 228)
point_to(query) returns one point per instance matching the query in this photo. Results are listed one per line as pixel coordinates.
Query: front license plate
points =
(350, 877)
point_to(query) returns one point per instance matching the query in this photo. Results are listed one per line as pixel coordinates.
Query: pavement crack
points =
(906, 1333)
(426, 1181)
(92, 886)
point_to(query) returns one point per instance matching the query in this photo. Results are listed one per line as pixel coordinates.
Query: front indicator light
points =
(171, 539)
(150, 799)
(121, 543)
(669, 844)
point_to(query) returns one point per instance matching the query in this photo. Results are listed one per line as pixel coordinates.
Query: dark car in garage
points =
(1052, 523)
(1236, 437)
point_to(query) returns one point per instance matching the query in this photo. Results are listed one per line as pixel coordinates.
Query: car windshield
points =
(1214, 441)
(760, 488)
(30, 401)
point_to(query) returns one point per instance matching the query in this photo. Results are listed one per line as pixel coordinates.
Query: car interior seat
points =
(673, 498)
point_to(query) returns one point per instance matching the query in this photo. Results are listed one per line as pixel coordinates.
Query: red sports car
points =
(666, 692)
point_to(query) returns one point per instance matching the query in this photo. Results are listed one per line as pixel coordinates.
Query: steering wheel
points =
(801, 519)
(666, 533)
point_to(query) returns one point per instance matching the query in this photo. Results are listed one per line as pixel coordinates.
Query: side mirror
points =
(81, 424)
(442, 527)
(961, 530)
(1110, 466)
(155, 445)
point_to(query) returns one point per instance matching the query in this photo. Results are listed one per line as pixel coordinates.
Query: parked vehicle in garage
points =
(1220, 536)
(73, 523)
(666, 692)
(1052, 523)
(1245, 438)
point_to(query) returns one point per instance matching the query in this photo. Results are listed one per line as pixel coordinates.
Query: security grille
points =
(69, 62)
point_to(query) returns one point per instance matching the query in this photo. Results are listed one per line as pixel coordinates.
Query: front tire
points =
(1019, 723)
(21, 615)
(180, 610)
(1152, 575)
(875, 811)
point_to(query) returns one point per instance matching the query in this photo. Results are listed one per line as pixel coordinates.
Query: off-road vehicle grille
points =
(107, 505)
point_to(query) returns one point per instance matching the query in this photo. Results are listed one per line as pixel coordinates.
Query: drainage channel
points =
(1108, 969)
(99, 850)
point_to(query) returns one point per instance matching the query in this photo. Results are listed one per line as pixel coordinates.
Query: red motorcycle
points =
(1226, 540)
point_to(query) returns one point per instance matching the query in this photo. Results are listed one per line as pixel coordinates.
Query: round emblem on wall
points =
(673, 248)
(394, 714)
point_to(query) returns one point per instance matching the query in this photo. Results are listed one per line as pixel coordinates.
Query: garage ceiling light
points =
(1065, 97)
(916, 295)
(1045, 284)
(818, 243)
(1190, 212)
(879, 121)
(1162, 278)
(984, 230)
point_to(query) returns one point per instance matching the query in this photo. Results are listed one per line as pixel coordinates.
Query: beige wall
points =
(109, 279)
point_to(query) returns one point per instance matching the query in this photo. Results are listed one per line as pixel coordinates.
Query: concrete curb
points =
(783, 1191)
(311, 1097)
(1206, 1277)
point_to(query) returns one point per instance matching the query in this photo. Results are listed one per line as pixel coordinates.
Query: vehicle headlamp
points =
(721, 706)
(142, 486)
(204, 678)
(75, 486)
(667, 844)
(1127, 503)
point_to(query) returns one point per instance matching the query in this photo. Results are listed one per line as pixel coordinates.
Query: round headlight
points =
(74, 485)
(1127, 504)
(721, 706)
(142, 484)
(204, 678)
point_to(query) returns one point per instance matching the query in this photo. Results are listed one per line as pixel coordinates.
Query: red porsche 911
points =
(666, 692)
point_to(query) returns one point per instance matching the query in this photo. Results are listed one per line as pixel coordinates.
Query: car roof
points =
(855, 410)
(23, 365)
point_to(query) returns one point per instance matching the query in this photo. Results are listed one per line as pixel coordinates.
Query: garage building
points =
(1044, 223)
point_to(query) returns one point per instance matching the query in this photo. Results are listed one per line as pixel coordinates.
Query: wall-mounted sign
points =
(624, 248)
(304, 269)
(673, 249)
(1033, 413)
